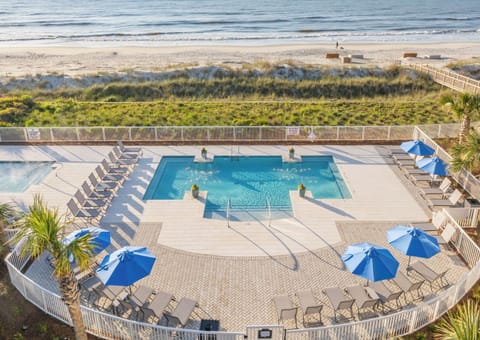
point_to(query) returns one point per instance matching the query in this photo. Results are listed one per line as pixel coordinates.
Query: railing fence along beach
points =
(219, 134)
(397, 324)
(448, 78)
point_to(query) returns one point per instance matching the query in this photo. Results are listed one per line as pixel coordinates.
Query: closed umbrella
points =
(125, 266)
(417, 147)
(369, 261)
(434, 166)
(413, 242)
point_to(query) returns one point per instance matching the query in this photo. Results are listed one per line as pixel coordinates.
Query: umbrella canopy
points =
(369, 261)
(417, 147)
(126, 266)
(434, 166)
(100, 238)
(413, 242)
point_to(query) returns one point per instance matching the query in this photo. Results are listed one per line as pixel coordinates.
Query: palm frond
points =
(462, 323)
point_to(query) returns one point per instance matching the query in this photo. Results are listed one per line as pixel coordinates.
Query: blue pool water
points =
(19, 176)
(246, 181)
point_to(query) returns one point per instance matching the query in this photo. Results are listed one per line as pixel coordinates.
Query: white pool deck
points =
(377, 194)
(235, 272)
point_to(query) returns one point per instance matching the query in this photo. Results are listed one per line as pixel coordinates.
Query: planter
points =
(195, 193)
(204, 154)
(301, 192)
(291, 154)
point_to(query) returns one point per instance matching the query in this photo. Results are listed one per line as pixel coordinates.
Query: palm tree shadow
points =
(330, 208)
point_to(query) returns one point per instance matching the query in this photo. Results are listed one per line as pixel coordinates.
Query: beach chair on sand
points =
(285, 309)
(363, 298)
(408, 287)
(429, 274)
(385, 294)
(339, 300)
(182, 312)
(451, 201)
(309, 304)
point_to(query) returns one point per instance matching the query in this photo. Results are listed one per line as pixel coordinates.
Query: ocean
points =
(241, 22)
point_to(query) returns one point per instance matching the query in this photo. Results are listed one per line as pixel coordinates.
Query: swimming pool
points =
(246, 181)
(19, 176)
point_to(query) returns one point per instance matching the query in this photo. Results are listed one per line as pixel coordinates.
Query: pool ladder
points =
(229, 206)
(234, 155)
(269, 211)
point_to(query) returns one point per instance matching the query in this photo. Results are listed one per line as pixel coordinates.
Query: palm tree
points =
(466, 107)
(467, 155)
(43, 230)
(463, 323)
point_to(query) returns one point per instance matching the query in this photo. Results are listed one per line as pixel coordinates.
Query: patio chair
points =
(182, 312)
(363, 298)
(158, 305)
(407, 286)
(309, 304)
(115, 170)
(89, 214)
(106, 195)
(129, 150)
(385, 294)
(452, 200)
(108, 177)
(102, 186)
(438, 221)
(441, 190)
(447, 234)
(401, 156)
(128, 156)
(86, 202)
(405, 163)
(429, 274)
(339, 300)
(285, 309)
(118, 162)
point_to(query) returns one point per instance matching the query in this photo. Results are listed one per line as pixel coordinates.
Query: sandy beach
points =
(78, 61)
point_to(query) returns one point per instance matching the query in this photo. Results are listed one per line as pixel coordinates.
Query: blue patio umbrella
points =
(100, 238)
(434, 166)
(369, 261)
(417, 147)
(413, 242)
(126, 266)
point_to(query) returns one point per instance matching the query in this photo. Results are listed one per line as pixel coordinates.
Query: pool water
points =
(19, 176)
(246, 181)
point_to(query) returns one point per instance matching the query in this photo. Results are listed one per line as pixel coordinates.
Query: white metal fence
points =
(181, 134)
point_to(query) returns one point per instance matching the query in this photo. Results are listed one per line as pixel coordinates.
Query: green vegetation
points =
(265, 95)
(466, 107)
(467, 155)
(461, 323)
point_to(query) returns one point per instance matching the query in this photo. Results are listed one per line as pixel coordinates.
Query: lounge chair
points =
(429, 274)
(309, 304)
(363, 298)
(106, 195)
(447, 234)
(339, 300)
(182, 312)
(126, 156)
(452, 200)
(438, 221)
(385, 294)
(441, 190)
(109, 177)
(129, 150)
(118, 162)
(102, 186)
(89, 214)
(285, 308)
(402, 156)
(115, 170)
(98, 203)
(407, 286)
(405, 163)
(158, 305)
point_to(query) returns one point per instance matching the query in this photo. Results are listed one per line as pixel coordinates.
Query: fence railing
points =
(224, 134)
(465, 178)
(407, 321)
(448, 78)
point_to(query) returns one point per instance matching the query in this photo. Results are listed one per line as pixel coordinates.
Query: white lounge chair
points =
(452, 200)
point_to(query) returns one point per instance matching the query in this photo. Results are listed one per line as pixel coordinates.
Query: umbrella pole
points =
(409, 258)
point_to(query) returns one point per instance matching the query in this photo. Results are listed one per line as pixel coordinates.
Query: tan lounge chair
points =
(309, 304)
(429, 274)
(285, 309)
(452, 200)
(158, 305)
(363, 298)
(384, 293)
(408, 287)
(182, 312)
(339, 300)
(441, 190)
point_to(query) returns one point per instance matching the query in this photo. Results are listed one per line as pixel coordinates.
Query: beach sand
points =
(77, 61)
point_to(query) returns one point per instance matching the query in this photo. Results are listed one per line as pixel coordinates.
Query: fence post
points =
(363, 133)
(129, 133)
(103, 134)
(77, 133)
(338, 132)
(234, 134)
(439, 130)
(411, 327)
(181, 133)
(155, 133)
(51, 135)
(389, 132)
